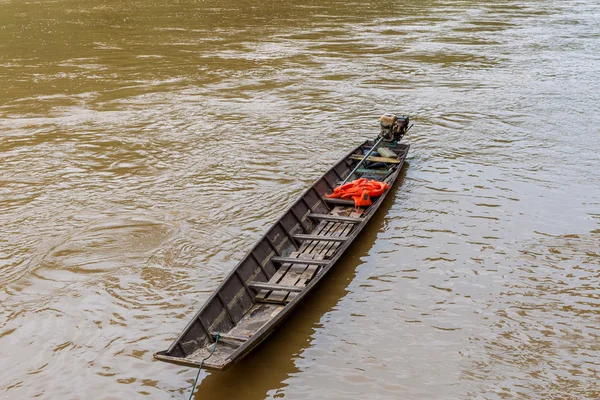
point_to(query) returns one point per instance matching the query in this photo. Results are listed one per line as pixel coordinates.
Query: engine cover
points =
(393, 127)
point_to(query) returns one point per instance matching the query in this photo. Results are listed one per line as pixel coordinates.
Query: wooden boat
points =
(282, 267)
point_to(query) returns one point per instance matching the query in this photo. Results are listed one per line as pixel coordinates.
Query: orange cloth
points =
(360, 190)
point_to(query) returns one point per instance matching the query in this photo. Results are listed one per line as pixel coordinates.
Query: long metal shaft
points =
(363, 160)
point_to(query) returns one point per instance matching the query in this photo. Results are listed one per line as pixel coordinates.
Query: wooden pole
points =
(363, 160)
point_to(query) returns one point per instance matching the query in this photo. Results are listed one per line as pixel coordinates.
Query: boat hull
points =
(282, 268)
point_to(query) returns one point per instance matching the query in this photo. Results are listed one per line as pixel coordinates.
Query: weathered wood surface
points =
(337, 218)
(339, 202)
(256, 318)
(275, 286)
(372, 171)
(311, 249)
(320, 237)
(387, 160)
(298, 260)
(341, 230)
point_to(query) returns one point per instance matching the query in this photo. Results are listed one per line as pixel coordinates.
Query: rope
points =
(217, 337)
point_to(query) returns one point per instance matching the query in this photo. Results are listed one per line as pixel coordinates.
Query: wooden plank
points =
(289, 280)
(269, 300)
(335, 171)
(308, 274)
(341, 202)
(306, 203)
(308, 247)
(372, 171)
(297, 217)
(275, 249)
(314, 189)
(204, 328)
(181, 349)
(342, 229)
(262, 268)
(287, 234)
(387, 160)
(292, 260)
(284, 268)
(257, 316)
(274, 286)
(291, 272)
(218, 358)
(234, 341)
(275, 278)
(318, 252)
(248, 291)
(327, 217)
(321, 238)
(327, 182)
(226, 307)
(291, 277)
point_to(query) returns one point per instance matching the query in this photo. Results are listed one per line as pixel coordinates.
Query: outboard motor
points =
(393, 127)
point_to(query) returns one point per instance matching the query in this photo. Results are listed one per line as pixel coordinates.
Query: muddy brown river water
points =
(145, 145)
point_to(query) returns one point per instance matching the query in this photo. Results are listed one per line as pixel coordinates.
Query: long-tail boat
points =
(290, 259)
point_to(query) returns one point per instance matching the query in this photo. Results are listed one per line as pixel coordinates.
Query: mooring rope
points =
(217, 337)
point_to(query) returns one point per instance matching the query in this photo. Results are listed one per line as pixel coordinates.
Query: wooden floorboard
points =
(294, 273)
(255, 318)
(305, 248)
(338, 218)
(299, 259)
(308, 274)
(387, 160)
(321, 238)
(323, 249)
(289, 280)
